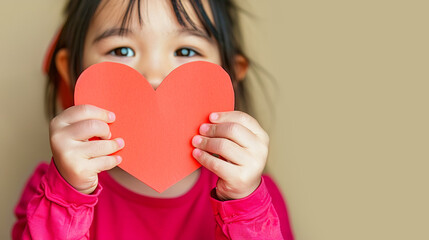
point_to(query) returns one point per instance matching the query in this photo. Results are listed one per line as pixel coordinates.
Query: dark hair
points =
(225, 30)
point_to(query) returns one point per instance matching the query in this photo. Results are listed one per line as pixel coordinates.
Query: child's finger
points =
(244, 119)
(232, 131)
(100, 148)
(87, 129)
(221, 168)
(105, 163)
(85, 112)
(223, 147)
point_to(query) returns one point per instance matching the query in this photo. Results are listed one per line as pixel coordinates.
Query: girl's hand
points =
(77, 159)
(243, 145)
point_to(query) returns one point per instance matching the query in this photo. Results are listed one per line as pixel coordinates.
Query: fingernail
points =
(112, 116)
(196, 153)
(204, 128)
(118, 159)
(120, 142)
(110, 135)
(197, 140)
(214, 116)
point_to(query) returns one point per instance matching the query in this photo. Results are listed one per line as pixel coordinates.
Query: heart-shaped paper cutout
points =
(157, 126)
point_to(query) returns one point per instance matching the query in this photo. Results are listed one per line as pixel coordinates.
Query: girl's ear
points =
(64, 90)
(241, 66)
(62, 64)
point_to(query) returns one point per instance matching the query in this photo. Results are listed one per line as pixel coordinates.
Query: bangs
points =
(180, 13)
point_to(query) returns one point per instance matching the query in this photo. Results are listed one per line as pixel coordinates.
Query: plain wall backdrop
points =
(349, 147)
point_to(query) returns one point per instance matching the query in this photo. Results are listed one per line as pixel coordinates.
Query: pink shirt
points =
(52, 209)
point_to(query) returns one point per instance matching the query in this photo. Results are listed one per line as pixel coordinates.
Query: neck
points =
(133, 184)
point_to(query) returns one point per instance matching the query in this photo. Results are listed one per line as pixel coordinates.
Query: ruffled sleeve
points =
(50, 208)
(253, 217)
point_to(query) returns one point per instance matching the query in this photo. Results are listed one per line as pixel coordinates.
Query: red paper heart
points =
(157, 126)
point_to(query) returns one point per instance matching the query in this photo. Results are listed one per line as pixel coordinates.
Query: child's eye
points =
(186, 52)
(122, 52)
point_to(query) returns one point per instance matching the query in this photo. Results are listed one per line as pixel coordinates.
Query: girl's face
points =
(155, 47)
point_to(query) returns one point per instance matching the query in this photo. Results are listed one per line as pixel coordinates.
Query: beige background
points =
(350, 144)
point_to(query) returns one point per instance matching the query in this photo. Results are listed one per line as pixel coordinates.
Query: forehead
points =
(132, 13)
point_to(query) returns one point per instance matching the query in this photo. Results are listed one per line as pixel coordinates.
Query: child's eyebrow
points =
(112, 32)
(194, 32)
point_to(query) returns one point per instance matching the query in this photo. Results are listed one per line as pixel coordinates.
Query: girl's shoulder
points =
(41, 169)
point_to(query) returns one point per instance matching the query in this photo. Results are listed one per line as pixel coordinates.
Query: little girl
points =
(83, 195)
